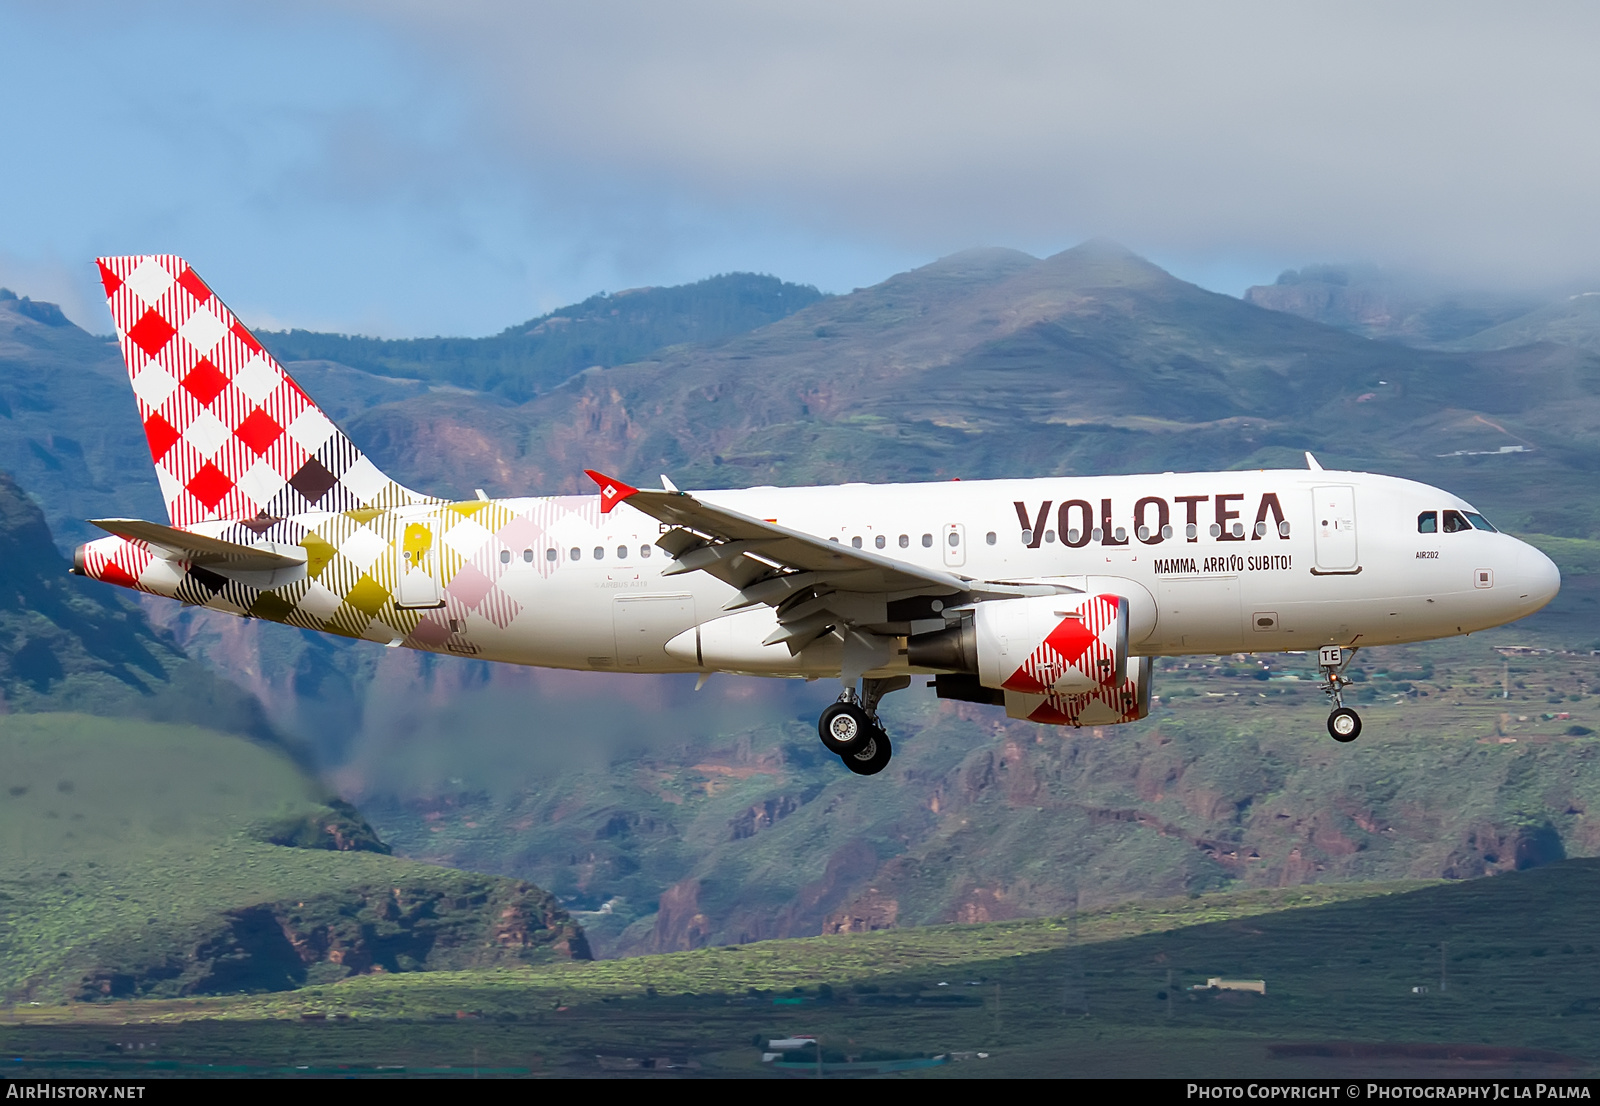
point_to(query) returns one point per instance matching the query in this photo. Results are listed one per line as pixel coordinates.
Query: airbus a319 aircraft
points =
(1047, 597)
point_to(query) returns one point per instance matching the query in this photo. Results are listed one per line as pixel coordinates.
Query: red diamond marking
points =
(204, 381)
(258, 431)
(162, 435)
(194, 285)
(1071, 639)
(245, 336)
(210, 485)
(114, 573)
(151, 333)
(111, 280)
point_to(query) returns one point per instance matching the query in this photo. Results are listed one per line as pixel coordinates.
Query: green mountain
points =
(532, 357)
(995, 363)
(742, 830)
(145, 859)
(1570, 321)
(68, 645)
(1471, 980)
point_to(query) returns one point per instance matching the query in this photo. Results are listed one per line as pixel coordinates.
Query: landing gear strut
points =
(1344, 724)
(851, 731)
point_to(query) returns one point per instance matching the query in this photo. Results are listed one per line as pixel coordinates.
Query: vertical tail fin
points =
(231, 435)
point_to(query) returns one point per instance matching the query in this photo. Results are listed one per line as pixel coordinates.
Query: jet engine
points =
(1061, 659)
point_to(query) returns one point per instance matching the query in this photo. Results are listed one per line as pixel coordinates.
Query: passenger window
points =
(855, 543)
(644, 551)
(1454, 523)
(505, 556)
(1027, 537)
(990, 537)
(577, 554)
(599, 553)
(1479, 522)
(905, 541)
(1049, 537)
(955, 539)
(527, 556)
(880, 541)
(549, 554)
(622, 552)
(1428, 522)
(927, 541)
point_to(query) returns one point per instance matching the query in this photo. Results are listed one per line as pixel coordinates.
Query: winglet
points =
(612, 491)
(1311, 463)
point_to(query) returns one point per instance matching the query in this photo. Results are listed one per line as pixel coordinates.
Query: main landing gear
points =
(1344, 724)
(851, 731)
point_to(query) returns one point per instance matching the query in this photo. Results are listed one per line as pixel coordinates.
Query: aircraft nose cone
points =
(1538, 579)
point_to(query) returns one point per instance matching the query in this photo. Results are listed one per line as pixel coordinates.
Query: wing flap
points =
(741, 535)
(819, 586)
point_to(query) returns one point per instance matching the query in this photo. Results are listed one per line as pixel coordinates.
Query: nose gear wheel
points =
(1344, 724)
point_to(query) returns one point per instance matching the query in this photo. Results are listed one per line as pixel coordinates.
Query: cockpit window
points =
(1479, 522)
(1428, 522)
(1454, 523)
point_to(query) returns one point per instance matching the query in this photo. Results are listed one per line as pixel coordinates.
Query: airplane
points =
(1049, 597)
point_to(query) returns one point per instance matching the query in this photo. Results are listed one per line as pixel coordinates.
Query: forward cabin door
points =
(418, 570)
(1335, 522)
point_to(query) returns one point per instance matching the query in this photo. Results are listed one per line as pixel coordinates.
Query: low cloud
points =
(1445, 136)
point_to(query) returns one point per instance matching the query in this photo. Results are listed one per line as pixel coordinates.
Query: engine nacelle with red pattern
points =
(1058, 659)
(1128, 701)
(1052, 644)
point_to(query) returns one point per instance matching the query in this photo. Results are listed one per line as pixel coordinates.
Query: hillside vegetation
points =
(748, 832)
(137, 859)
(532, 357)
(1485, 977)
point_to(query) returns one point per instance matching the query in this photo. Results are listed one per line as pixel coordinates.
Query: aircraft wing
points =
(817, 585)
(207, 552)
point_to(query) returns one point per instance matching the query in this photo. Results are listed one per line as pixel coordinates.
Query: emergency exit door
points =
(418, 570)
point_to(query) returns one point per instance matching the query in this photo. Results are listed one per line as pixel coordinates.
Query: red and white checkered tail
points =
(232, 436)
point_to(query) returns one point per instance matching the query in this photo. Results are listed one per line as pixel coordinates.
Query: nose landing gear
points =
(851, 731)
(1344, 724)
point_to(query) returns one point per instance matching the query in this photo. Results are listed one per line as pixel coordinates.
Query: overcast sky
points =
(417, 168)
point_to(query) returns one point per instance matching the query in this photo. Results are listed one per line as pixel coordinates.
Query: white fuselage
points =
(1278, 560)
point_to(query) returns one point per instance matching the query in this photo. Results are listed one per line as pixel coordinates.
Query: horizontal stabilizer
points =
(209, 552)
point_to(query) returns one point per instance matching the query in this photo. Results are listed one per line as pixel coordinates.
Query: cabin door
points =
(1335, 522)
